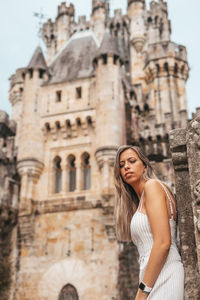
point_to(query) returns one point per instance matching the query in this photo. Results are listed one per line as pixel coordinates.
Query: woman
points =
(145, 213)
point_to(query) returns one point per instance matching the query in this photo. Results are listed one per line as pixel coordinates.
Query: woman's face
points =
(131, 166)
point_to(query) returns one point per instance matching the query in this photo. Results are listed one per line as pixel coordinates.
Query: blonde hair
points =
(126, 199)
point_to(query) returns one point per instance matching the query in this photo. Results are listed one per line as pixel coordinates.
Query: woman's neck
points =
(138, 187)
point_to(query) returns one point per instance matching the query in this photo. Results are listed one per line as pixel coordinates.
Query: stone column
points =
(193, 152)
(184, 200)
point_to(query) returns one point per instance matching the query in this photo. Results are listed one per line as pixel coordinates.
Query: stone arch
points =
(57, 170)
(68, 292)
(71, 160)
(71, 271)
(86, 171)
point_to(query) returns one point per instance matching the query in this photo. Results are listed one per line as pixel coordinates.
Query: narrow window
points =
(86, 171)
(41, 73)
(104, 56)
(72, 173)
(58, 174)
(58, 96)
(31, 73)
(78, 92)
(115, 57)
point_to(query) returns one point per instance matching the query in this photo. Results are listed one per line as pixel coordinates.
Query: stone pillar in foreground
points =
(186, 161)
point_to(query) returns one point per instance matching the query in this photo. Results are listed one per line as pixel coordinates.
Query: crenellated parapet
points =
(162, 50)
(132, 1)
(63, 9)
(97, 4)
(68, 129)
(81, 25)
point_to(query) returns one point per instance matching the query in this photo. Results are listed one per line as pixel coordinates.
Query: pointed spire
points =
(108, 45)
(37, 61)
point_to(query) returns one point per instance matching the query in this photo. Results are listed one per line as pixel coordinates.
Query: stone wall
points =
(8, 219)
(185, 148)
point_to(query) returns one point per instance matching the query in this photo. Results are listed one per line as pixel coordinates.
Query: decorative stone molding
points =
(30, 166)
(105, 154)
(138, 43)
(197, 192)
(198, 220)
(196, 126)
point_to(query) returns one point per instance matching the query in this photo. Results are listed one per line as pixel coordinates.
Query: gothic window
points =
(58, 175)
(58, 96)
(86, 171)
(69, 128)
(72, 173)
(68, 292)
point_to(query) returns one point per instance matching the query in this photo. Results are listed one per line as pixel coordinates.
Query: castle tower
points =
(98, 18)
(29, 159)
(159, 26)
(136, 13)
(167, 71)
(56, 34)
(15, 97)
(109, 108)
(64, 20)
(49, 38)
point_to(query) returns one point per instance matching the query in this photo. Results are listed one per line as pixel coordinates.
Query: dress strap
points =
(141, 201)
(169, 198)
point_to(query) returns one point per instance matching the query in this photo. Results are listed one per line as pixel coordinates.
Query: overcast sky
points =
(18, 36)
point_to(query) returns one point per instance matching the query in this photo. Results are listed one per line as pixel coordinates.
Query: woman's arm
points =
(157, 212)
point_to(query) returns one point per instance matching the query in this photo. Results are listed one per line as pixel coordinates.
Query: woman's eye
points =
(132, 161)
(121, 166)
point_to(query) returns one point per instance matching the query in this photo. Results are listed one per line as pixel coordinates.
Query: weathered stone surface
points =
(186, 156)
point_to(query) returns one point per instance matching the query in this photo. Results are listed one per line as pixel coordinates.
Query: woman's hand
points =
(140, 295)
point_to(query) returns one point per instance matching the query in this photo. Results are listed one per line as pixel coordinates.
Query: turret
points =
(64, 20)
(56, 34)
(167, 72)
(159, 27)
(50, 40)
(109, 108)
(30, 151)
(136, 13)
(100, 10)
(15, 97)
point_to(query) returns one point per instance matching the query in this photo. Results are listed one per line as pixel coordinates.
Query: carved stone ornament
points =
(196, 127)
(198, 221)
(197, 192)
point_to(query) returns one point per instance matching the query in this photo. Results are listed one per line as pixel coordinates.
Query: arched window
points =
(86, 171)
(68, 292)
(58, 175)
(72, 173)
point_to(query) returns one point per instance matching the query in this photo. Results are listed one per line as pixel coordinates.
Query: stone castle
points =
(103, 82)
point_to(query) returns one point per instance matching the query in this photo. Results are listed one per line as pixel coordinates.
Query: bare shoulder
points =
(153, 186)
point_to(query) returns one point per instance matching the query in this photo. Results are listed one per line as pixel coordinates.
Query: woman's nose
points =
(126, 166)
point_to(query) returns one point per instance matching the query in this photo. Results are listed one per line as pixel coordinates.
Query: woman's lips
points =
(128, 174)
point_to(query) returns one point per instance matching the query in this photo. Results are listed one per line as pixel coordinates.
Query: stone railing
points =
(185, 148)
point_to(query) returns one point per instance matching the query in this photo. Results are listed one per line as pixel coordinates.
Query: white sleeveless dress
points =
(170, 282)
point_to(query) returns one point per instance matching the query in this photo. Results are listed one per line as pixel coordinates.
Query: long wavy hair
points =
(126, 199)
